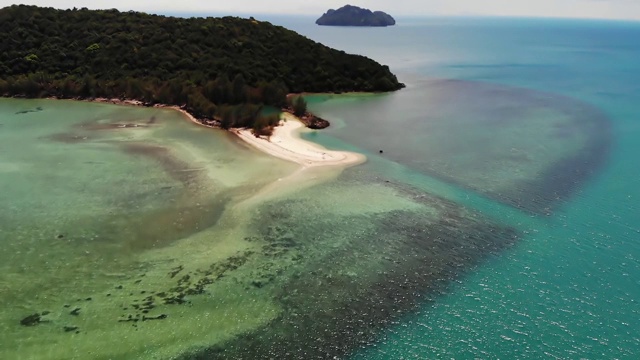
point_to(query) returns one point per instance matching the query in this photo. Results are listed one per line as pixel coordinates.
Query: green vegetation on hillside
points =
(222, 68)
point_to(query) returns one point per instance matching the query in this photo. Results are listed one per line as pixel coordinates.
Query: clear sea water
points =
(500, 219)
(569, 289)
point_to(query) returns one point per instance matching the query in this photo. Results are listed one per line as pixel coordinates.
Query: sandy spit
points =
(285, 143)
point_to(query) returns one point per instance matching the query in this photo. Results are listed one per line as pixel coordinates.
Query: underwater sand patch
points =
(179, 170)
(68, 138)
(93, 125)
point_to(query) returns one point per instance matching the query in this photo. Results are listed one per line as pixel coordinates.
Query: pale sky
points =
(611, 9)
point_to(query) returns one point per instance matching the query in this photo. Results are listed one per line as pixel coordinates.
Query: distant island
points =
(354, 16)
(220, 70)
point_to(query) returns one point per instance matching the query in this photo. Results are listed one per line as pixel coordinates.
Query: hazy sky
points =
(617, 9)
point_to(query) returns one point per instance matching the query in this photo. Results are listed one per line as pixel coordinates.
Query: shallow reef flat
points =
(340, 271)
(160, 239)
(526, 148)
(91, 189)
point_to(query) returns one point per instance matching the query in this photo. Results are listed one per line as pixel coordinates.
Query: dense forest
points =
(223, 68)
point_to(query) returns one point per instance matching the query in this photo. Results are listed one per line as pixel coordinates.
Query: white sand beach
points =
(285, 143)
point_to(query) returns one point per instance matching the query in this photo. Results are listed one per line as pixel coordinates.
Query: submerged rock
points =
(159, 317)
(31, 320)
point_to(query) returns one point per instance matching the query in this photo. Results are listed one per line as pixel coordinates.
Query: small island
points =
(355, 16)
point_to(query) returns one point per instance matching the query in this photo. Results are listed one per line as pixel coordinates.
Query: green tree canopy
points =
(205, 64)
(299, 106)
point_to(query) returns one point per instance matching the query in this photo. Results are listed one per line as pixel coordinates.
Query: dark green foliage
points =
(299, 106)
(264, 125)
(217, 67)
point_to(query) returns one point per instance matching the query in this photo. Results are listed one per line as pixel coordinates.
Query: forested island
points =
(221, 70)
(349, 15)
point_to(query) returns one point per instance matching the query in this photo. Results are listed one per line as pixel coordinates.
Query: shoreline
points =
(187, 114)
(285, 142)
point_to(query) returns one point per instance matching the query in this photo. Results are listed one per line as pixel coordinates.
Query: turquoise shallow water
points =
(525, 148)
(90, 194)
(131, 233)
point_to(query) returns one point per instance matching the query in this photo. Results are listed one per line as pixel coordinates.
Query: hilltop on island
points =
(220, 70)
(354, 16)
